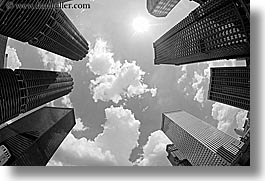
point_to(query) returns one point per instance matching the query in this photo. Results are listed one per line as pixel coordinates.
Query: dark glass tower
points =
(200, 1)
(200, 143)
(161, 8)
(32, 140)
(23, 90)
(175, 157)
(3, 41)
(218, 29)
(46, 28)
(230, 85)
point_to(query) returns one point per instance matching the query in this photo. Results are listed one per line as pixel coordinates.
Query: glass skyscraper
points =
(161, 8)
(217, 29)
(230, 85)
(200, 143)
(33, 139)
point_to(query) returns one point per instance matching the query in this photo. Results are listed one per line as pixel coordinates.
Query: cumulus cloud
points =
(13, 61)
(55, 62)
(79, 125)
(101, 59)
(67, 101)
(116, 80)
(200, 85)
(112, 147)
(155, 150)
(195, 78)
(228, 117)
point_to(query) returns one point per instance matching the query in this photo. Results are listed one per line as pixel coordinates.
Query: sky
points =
(119, 94)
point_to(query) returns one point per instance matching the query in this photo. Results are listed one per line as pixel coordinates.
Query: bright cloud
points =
(155, 151)
(67, 101)
(112, 147)
(79, 126)
(55, 62)
(228, 117)
(116, 80)
(196, 77)
(100, 59)
(13, 61)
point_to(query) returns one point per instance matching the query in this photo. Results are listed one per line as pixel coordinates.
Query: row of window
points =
(230, 100)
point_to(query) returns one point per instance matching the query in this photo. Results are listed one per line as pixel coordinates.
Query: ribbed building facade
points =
(200, 143)
(10, 98)
(46, 28)
(161, 8)
(217, 29)
(175, 157)
(23, 90)
(32, 140)
(230, 85)
(3, 41)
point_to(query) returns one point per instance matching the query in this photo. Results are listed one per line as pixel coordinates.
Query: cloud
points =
(100, 59)
(228, 117)
(200, 85)
(112, 147)
(55, 62)
(115, 80)
(200, 95)
(240, 118)
(155, 150)
(196, 77)
(13, 61)
(67, 101)
(79, 125)
(80, 152)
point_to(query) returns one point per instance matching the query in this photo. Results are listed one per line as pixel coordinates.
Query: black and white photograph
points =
(139, 83)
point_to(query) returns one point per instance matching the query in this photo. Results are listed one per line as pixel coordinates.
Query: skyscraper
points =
(175, 157)
(200, 1)
(10, 98)
(218, 29)
(230, 85)
(200, 143)
(23, 90)
(161, 8)
(46, 28)
(32, 140)
(3, 41)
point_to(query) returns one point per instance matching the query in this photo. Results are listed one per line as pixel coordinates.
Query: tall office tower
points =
(230, 85)
(161, 8)
(200, 143)
(46, 28)
(3, 41)
(23, 90)
(200, 1)
(218, 29)
(33, 139)
(10, 98)
(175, 157)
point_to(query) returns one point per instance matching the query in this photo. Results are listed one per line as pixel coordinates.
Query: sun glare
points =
(140, 25)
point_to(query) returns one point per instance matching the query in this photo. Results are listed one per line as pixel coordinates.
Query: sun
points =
(140, 25)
